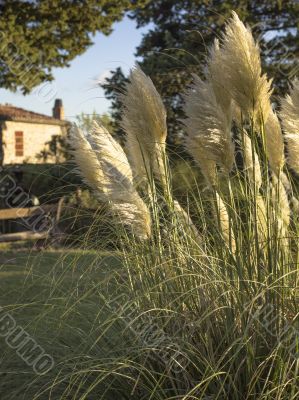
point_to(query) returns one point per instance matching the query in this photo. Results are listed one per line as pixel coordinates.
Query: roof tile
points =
(11, 113)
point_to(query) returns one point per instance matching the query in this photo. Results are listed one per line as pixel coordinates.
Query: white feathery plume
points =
(274, 143)
(237, 114)
(105, 168)
(208, 128)
(215, 76)
(290, 123)
(144, 121)
(209, 140)
(286, 183)
(281, 205)
(242, 71)
(251, 163)
(294, 203)
(224, 221)
(261, 214)
(207, 165)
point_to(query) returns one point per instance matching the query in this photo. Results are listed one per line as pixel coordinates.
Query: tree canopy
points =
(37, 36)
(183, 31)
(85, 121)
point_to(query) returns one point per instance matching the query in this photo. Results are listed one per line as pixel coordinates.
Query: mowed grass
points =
(46, 292)
(25, 274)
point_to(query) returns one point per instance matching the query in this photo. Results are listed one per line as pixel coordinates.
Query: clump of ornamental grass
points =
(203, 302)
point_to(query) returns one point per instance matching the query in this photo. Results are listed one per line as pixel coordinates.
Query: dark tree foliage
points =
(39, 35)
(184, 30)
(113, 88)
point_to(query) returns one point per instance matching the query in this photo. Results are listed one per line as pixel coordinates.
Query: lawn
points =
(44, 291)
(24, 269)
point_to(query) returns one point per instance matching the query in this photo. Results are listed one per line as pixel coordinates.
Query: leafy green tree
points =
(183, 31)
(113, 88)
(37, 36)
(85, 121)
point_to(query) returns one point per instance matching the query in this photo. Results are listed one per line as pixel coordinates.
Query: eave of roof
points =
(36, 121)
(16, 114)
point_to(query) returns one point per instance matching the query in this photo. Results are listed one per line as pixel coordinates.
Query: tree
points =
(113, 88)
(37, 36)
(185, 29)
(85, 121)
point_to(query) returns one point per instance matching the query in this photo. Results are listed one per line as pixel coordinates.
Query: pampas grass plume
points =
(209, 138)
(144, 121)
(290, 123)
(215, 76)
(281, 206)
(105, 168)
(274, 143)
(224, 222)
(251, 163)
(242, 71)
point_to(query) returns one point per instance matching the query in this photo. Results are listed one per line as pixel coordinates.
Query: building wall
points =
(35, 137)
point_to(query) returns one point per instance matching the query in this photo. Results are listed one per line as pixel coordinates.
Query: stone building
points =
(25, 135)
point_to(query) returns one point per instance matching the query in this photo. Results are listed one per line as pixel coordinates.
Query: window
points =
(19, 144)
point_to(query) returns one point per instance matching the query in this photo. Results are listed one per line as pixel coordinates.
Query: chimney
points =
(58, 110)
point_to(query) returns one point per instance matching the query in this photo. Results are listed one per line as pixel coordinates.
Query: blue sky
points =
(76, 85)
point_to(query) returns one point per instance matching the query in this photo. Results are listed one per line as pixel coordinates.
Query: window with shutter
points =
(19, 144)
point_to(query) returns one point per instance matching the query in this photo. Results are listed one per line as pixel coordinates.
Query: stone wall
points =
(35, 137)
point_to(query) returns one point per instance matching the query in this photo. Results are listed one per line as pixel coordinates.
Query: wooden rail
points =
(28, 235)
(14, 213)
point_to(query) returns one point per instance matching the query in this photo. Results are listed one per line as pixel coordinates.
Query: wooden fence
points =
(51, 210)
